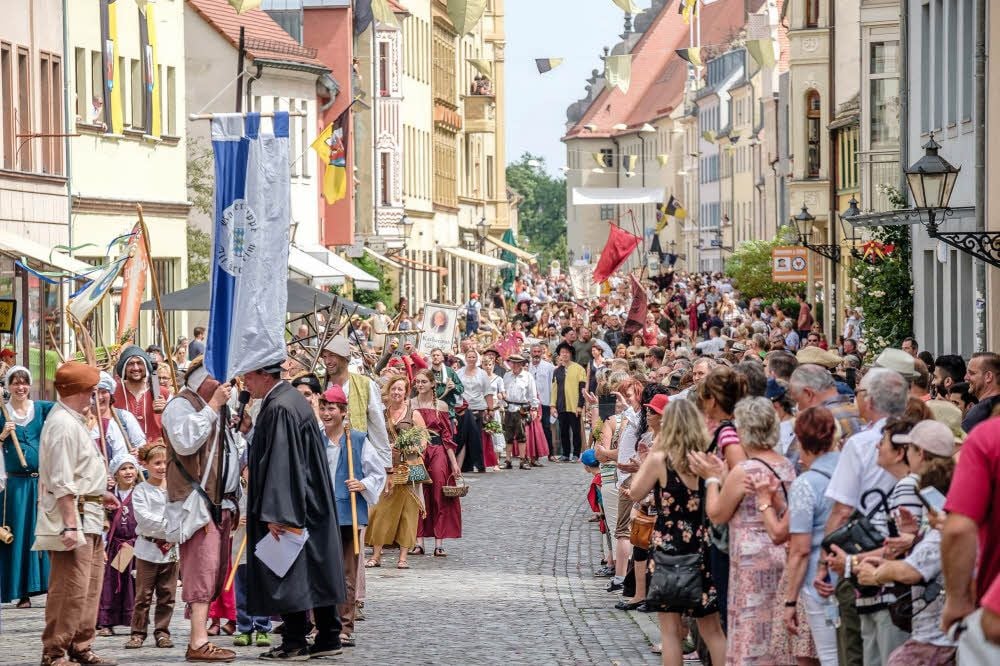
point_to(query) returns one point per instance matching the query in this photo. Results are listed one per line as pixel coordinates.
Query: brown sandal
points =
(91, 658)
(372, 563)
(135, 642)
(417, 550)
(439, 552)
(229, 628)
(164, 642)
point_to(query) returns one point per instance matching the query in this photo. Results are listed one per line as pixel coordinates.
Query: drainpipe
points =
(831, 218)
(980, 172)
(69, 336)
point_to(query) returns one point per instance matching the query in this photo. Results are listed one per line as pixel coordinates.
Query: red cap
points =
(335, 395)
(658, 403)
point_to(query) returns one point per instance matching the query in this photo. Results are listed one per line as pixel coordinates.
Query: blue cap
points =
(775, 390)
(589, 458)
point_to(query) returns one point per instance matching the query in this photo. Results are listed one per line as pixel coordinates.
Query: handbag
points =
(718, 535)
(859, 534)
(418, 472)
(641, 533)
(676, 579)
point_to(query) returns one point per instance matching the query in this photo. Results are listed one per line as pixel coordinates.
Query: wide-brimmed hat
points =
(339, 345)
(516, 358)
(950, 415)
(818, 356)
(898, 360)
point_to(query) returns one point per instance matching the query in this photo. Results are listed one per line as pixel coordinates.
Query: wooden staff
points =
(350, 477)
(167, 349)
(236, 563)
(13, 436)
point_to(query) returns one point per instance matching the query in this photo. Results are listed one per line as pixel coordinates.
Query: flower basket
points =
(457, 490)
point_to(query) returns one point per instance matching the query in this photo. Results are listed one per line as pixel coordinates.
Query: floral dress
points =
(681, 525)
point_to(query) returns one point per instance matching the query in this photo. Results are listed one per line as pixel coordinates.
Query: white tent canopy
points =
(611, 196)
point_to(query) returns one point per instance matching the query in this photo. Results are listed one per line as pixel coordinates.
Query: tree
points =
(750, 268)
(384, 292)
(201, 189)
(542, 212)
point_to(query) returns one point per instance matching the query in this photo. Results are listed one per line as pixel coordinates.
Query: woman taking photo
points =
(443, 519)
(480, 397)
(394, 519)
(24, 573)
(680, 525)
(756, 564)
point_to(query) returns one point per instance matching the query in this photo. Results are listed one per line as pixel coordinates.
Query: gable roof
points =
(659, 74)
(272, 42)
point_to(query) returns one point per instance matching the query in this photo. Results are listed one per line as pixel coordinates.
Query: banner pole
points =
(167, 348)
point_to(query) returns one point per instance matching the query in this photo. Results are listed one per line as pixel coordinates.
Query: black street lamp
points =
(803, 227)
(850, 231)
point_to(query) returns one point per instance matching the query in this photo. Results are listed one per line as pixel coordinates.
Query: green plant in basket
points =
(493, 427)
(410, 441)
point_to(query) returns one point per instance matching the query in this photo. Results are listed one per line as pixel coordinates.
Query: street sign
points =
(377, 244)
(8, 315)
(790, 263)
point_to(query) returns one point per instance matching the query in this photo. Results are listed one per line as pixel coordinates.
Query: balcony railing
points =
(876, 169)
(480, 114)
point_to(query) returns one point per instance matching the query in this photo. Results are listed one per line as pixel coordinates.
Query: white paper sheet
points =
(279, 555)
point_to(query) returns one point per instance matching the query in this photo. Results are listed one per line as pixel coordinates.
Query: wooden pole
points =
(13, 436)
(167, 348)
(236, 563)
(350, 477)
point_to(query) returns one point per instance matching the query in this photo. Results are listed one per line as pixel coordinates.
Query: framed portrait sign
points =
(439, 327)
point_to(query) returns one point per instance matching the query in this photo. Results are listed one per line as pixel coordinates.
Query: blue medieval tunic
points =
(24, 573)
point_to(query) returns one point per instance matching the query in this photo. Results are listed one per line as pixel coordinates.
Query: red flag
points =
(136, 269)
(637, 311)
(620, 245)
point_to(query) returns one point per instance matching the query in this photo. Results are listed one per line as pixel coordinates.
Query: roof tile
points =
(259, 26)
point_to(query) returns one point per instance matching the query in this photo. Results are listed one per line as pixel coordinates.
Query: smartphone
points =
(932, 499)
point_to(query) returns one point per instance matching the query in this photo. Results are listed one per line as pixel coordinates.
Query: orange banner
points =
(134, 288)
(789, 263)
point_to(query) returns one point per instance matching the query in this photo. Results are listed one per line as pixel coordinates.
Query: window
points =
(847, 159)
(306, 158)
(813, 134)
(607, 212)
(608, 157)
(926, 121)
(50, 110)
(383, 69)
(812, 13)
(967, 48)
(122, 95)
(23, 120)
(941, 92)
(7, 97)
(95, 102)
(385, 177)
(884, 94)
(138, 87)
(80, 89)
(490, 178)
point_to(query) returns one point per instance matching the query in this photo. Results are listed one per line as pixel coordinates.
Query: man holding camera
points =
(72, 477)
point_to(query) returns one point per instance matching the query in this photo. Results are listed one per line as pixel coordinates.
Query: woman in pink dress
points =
(443, 519)
(756, 564)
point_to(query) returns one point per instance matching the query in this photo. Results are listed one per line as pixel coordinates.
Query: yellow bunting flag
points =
(242, 6)
(330, 145)
(663, 158)
(687, 9)
(692, 55)
(464, 14)
(709, 135)
(618, 71)
(674, 208)
(599, 158)
(762, 50)
(547, 64)
(485, 67)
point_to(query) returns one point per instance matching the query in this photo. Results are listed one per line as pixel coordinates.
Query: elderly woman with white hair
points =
(24, 573)
(756, 563)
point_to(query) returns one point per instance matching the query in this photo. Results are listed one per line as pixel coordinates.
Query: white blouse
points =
(150, 504)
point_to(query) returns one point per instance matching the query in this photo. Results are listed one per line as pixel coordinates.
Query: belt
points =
(88, 499)
(23, 475)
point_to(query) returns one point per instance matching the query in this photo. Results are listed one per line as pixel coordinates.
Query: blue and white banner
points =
(246, 324)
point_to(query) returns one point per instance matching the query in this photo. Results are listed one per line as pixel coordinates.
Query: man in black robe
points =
(290, 489)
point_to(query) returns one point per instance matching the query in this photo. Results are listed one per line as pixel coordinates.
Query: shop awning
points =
(317, 272)
(421, 266)
(29, 249)
(301, 298)
(362, 280)
(476, 258)
(382, 258)
(516, 251)
(612, 196)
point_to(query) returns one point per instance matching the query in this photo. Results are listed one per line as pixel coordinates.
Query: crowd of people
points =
(774, 496)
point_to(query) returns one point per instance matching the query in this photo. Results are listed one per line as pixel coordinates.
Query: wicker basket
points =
(457, 490)
(401, 474)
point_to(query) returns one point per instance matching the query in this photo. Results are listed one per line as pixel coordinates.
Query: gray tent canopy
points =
(301, 299)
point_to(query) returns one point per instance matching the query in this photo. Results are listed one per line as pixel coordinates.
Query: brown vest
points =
(178, 488)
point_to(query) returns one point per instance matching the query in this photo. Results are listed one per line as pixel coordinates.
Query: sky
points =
(576, 30)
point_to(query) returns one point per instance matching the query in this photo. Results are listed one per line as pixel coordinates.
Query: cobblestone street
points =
(517, 589)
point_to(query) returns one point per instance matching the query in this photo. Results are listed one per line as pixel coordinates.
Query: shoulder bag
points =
(859, 535)
(675, 580)
(719, 534)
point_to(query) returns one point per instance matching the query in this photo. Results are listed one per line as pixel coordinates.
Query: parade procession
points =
(310, 349)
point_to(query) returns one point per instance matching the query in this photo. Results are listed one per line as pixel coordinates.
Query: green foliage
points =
(384, 293)
(542, 213)
(884, 289)
(750, 269)
(199, 245)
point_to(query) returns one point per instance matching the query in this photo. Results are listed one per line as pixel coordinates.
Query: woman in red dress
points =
(443, 518)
